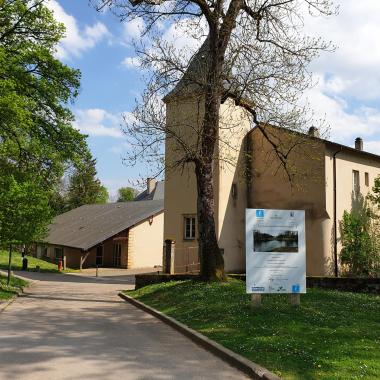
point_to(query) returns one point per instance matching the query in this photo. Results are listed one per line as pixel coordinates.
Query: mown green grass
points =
(45, 266)
(332, 335)
(7, 292)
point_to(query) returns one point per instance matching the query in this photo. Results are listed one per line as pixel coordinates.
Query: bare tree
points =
(253, 55)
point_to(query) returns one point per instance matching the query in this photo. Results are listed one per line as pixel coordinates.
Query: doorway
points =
(116, 257)
(99, 255)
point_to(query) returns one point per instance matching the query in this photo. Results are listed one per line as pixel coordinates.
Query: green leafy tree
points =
(24, 212)
(57, 199)
(360, 238)
(126, 194)
(36, 135)
(374, 197)
(84, 186)
(37, 140)
(356, 243)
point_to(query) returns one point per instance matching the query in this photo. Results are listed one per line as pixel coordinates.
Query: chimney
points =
(151, 184)
(314, 132)
(359, 143)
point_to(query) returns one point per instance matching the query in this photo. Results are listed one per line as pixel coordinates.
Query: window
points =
(189, 227)
(116, 258)
(367, 179)
(58, 253)
(355, 181)
(99, 255)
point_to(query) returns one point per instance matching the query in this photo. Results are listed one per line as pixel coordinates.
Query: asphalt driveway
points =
(76, 327)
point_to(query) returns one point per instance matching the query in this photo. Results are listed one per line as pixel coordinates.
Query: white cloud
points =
(184, 35)
(372, 146)
(348, 90)
(346, 123)
(132, 29)
(356, 61)
(98, 122)
(77, 40)
(131, 62)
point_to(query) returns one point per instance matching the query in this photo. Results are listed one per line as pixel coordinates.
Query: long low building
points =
(123, 234)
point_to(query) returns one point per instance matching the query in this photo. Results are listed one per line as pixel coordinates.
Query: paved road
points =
(72, 327)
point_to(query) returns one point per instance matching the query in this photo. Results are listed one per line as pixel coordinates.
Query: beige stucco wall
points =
(346, 162)
(147, 247)
(230, 213)
(270, 187)
(180, 184)
(185, 115)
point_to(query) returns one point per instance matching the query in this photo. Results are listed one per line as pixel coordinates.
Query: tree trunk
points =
(9, 265)
(211, 259)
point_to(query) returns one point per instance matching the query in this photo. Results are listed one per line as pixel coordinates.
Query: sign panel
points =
(275, 251)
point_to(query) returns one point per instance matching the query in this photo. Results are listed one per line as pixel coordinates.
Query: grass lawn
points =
(45, 266)
(332, 335)
(8, 292)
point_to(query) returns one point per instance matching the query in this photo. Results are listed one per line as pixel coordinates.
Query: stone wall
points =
(361, 285)
(347, 284)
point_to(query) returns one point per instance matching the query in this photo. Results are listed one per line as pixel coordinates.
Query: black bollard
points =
(24, 263)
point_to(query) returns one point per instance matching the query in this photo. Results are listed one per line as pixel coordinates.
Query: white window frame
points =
(189, 227)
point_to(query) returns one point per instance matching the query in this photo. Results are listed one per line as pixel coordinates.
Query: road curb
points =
(19, 292)
(252, 369)
(7, 303)
(4, 305)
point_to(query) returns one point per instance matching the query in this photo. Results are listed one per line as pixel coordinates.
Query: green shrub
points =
(360, 240)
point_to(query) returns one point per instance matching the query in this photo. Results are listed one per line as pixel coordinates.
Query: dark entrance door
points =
(116, 258)
(99, 255)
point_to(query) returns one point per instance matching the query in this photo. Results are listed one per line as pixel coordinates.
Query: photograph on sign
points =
(275, 239)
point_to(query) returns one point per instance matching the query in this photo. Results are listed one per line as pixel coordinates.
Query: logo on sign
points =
(258, 288)
(259, 213)
(292, 214)
(296, 288)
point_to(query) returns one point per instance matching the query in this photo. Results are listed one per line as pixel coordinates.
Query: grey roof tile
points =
(89, 225)
(157, 194)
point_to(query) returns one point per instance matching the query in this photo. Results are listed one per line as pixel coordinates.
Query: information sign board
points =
(275, 251)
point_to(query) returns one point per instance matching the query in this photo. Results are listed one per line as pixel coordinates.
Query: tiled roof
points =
(157, 194)
(89, 225)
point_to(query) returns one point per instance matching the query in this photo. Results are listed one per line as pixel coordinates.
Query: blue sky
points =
(347, 93)
(97, 44)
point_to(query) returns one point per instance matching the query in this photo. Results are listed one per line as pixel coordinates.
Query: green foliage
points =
(126, 194)
(360, 239)
(33, 262)
(36, 135)
(356, 244)
(374, 197)
(24, 211)
(37, 140)
(7, 292)
(84, 187)
(331, 335)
